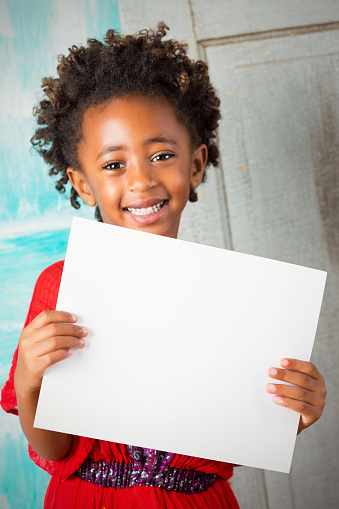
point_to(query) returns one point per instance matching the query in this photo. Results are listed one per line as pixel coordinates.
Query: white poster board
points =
(181, 338)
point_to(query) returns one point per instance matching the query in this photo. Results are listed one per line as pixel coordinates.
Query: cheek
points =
(182, 186)
(108, 188)
(179, 180)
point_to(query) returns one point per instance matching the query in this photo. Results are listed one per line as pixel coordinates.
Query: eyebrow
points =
(149, 141)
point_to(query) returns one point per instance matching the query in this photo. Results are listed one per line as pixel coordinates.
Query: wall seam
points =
(264, 486)
(279, 61)
(225, 218)
(269, 34)
(193, 22)
(221, 188)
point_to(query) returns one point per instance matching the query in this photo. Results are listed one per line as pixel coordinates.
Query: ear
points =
(199, 159)
(80, 184)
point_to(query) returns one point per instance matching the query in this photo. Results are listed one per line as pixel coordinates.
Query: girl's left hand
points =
(308, 398)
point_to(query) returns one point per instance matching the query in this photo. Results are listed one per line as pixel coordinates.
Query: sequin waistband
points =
(149, 468)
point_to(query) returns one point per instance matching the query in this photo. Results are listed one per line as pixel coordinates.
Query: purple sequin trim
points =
(149, 468)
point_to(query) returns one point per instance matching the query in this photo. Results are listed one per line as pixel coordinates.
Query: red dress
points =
(67, 491)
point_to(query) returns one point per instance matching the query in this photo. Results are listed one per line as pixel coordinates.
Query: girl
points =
(131, 123)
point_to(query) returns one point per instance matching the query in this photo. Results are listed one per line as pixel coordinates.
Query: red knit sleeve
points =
(44, 297)
(81, 447)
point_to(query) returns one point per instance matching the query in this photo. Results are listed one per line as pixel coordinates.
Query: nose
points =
(141, 176)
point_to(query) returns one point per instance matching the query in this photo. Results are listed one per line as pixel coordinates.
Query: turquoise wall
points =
(34, 218)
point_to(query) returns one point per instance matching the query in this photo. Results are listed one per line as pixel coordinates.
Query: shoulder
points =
(46, 290)
(49, 280)
(51, 275)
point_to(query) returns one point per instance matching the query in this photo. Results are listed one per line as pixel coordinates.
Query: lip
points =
(144, 204)
(151, 218)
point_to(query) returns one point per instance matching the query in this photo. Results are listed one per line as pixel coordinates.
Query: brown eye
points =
(112, 165)
(162, 157)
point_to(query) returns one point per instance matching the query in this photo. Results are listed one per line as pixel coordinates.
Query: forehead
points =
(132, 116)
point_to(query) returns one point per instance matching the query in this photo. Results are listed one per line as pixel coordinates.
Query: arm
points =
(51, 445)
(308, 394)
(45, 341)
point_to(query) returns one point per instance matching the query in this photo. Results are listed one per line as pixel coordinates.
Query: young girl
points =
(131, 123)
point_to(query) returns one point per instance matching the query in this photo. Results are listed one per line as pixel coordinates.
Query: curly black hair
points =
(121, 66)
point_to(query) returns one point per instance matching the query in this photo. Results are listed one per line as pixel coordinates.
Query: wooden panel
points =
(280, 145)
(272, 117)
(223, 18)
(136, 15)
(249, 488)
(204, 221)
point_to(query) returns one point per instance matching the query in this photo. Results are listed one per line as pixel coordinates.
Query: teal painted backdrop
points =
(34, 218)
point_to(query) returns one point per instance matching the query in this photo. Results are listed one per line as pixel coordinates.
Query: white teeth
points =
(148, 211)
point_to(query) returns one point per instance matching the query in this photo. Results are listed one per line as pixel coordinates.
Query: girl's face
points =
(138, 165)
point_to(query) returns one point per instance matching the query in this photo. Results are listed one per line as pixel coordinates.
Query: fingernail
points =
(73, 317)
(277, 399)
(273, 371)
(270, 387)
(70, 352)
(84, 331)
(284, 362)
(82, 342)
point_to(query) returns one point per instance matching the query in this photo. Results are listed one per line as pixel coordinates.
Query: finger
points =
(295, 393)
(45, 361)
(56, 329)
(309, 414)
(63, 329)
(293, 377)
(52, 316)
(302, 367)
(56, 343)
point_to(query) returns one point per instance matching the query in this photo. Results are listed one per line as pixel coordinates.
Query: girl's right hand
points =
(46, 340)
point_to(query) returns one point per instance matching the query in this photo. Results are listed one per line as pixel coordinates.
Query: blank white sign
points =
(181, 337)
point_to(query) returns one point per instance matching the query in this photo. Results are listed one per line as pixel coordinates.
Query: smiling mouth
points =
(146, 211)
(148, 216)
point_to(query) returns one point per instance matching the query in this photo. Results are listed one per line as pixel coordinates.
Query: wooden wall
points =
(276, 194)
